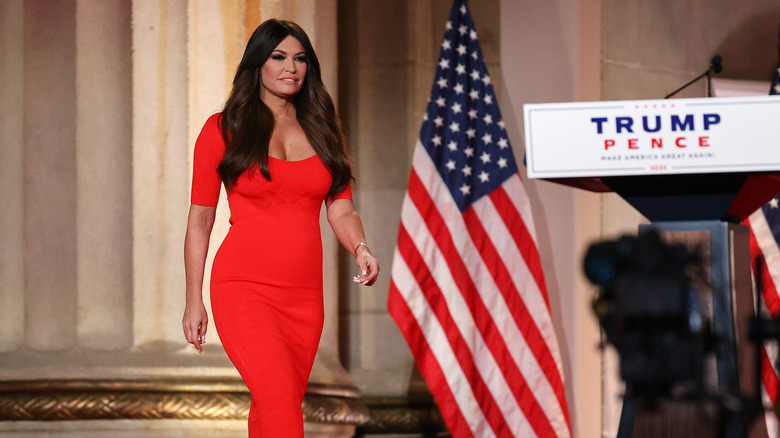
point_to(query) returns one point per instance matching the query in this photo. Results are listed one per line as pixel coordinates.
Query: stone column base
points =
(160, 408)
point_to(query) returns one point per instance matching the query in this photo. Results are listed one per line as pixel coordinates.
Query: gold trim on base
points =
(403, 415)
(58, 400)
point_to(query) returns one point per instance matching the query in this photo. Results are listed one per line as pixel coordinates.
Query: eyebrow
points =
(282, 51)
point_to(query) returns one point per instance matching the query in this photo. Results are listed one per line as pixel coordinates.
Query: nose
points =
(291, 65)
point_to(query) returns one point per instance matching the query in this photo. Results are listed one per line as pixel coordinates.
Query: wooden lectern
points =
(695, 168)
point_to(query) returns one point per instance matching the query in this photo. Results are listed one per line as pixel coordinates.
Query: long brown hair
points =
(247, 123)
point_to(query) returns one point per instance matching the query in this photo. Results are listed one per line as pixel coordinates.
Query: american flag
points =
(764, 226)
(467, 288)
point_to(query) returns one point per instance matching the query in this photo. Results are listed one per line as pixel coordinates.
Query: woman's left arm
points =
(346, 224)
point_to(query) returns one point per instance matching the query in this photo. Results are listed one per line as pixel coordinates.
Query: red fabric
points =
(266, 281)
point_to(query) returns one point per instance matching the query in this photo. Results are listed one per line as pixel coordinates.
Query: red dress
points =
(266, 281)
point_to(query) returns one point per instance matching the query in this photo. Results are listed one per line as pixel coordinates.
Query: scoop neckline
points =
(293, 161)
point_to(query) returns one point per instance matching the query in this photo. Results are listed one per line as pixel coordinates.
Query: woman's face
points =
(283, 73)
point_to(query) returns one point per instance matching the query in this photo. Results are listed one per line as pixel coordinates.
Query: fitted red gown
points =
(266, 281)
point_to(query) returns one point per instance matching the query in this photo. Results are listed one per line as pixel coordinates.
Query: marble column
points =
(49, 133)
(104, 176)
(12, 176)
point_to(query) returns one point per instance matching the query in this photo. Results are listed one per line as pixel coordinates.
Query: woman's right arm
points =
(196, 245)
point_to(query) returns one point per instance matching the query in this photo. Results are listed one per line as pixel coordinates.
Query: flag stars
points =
(467, 138)
(774, 203)
(777, 88)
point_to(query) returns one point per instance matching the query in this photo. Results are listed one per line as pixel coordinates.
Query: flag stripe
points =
(522, 317)
(522, 237)
(428, 363)
(463, 352)
(457, 281)
(505, 333)
(513, 187)
(768, 376)
(436, 340)
(763, 243)
(517, 291)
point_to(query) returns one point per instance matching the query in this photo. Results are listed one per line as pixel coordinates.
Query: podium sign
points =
(651, 137)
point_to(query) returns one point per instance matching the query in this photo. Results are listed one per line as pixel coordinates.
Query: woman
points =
(279, 149)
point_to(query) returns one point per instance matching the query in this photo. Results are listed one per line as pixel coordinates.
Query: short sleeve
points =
(209, 149)
(346, 193)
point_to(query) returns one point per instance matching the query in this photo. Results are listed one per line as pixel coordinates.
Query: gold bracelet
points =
(354, 252)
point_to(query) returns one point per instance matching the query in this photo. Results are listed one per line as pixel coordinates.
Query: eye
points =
(277, 57)
(301, 59)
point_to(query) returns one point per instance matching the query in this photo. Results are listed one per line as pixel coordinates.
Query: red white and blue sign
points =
(645, 137)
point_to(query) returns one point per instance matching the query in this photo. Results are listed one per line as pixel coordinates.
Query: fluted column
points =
(160, 175)
(104, 175)
(11, 176)
(49, 131)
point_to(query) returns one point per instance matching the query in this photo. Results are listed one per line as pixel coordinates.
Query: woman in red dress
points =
(279, 149)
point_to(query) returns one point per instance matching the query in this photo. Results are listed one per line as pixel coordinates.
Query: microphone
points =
(716, 66)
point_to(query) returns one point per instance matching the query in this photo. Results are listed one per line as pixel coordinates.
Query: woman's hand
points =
(369, 267)
(346, 223)
(196, 245)
(195, 323)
